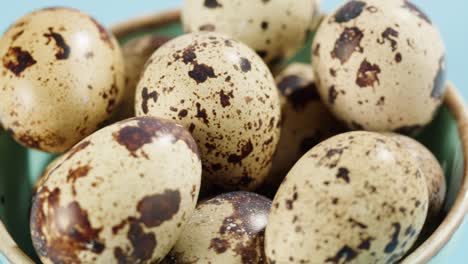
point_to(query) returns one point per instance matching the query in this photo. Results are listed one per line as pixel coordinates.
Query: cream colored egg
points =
(226, 229)
(355, 198)
(305, 120)
(432, 171)
(225, 95)
(136, 52)
(274, 29)
(123, 195)
(61, 76)
(381, 65)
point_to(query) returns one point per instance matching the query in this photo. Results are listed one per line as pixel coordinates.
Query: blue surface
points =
(449, 16)
(3, 260)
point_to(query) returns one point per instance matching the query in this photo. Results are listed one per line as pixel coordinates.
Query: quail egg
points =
(122, 195)
(355, 198)
(226, 229)
(432, 172)
(136, 52)
(274, 29)
(305, 121)
(381, 65)
(62, 75)
(221, 91)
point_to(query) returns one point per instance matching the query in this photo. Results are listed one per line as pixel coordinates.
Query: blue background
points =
(450, 16)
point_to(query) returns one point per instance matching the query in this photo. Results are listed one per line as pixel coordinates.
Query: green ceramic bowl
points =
(446, 137)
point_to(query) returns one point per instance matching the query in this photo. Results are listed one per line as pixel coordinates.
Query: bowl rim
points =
(425, 252)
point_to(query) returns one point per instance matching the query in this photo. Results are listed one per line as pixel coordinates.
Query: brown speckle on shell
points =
(75, 174)
(348, 43)
(349, 11)
(146, 97)
(143, 245)
(343, 173)
(393, 244)
(201, 72)
(208, 27)
(345, 254)
(56, 241)
(245, 65)
(368, 74)
(225, 97)
(212, 4)
(332, 95)
(219, 245)
(390, 34)
(156, 209)
(245, 151)
(63, 50)
(17, 60)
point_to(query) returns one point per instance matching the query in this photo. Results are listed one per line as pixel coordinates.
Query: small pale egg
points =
(225, 95)
(381, 65)
(122, 195)
(62, 76)
(357, 197)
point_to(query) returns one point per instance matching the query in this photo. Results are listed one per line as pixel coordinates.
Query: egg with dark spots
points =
(358, 197)
(122, 195)
(62, 75)
(136, 53)
(433, 173)
(381, 65)
(278, 33)
(228, 228)
(225, 95)
(305, 121)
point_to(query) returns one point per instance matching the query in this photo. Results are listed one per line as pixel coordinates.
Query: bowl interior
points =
(20, 167)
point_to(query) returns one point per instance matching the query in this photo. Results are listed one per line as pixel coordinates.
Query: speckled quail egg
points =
(226, 229)
(305, 121)
(61, 76)
(136, 52)
(275, 29)
(355, 198)
(122, 195)
(225, 95)
(381, 65)
(432, 172)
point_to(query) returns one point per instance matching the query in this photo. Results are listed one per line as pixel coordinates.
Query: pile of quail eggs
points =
(164, 141)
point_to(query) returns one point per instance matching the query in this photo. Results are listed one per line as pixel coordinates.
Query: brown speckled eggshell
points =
(136, 52)
(225, 95)
(275, 29)
(226, 229)
(432, 171)
(61, 76)
(355, 198)
(305, 121)
(381, 65)
(122, 195)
